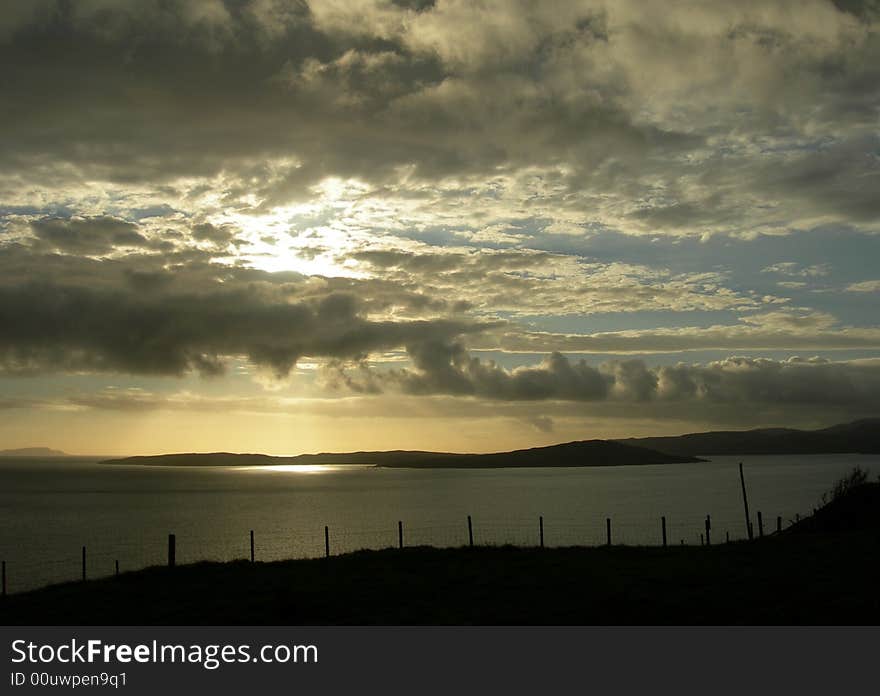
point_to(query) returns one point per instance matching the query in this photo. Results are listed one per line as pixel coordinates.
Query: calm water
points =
(50, 509)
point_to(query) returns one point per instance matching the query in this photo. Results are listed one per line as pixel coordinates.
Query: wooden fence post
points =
(760, 525)
(742, 480)
(708, 528)
(252, 546)
(663, 527)
(778, 523)
(608, 531)
(400, 533)
(326, 541)
(470, 532)
(172, 550)
(727, 537)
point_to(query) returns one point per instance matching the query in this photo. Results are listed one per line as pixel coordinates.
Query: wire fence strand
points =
(35, 568)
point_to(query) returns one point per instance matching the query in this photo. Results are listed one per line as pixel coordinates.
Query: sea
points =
(51, 508)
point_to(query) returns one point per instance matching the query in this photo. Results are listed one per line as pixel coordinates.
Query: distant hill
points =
(570, 454)
(861, 437)
(32, 452)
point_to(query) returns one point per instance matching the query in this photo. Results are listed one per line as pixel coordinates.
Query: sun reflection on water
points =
(304, 468)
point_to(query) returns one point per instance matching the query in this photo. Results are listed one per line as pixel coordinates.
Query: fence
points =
(116, 556)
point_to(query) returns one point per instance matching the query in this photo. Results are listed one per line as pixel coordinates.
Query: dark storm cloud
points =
(446, 368)
(167, 314)
(88, 236)
(216, 234)
(608, 94)
(46, 327)
(842, 177)
(146, 91)
(417, 5)
(864, 9)
(150, 313)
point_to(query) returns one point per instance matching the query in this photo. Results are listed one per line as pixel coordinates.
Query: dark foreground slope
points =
(582, 453)
(858, 437)
(811, 574)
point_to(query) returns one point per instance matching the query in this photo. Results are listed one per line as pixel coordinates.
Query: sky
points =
(286, 226)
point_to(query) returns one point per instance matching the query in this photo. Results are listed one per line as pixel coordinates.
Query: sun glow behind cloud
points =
(434, 185)
(275, 242)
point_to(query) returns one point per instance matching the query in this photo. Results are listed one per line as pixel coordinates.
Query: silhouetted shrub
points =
(855, 478)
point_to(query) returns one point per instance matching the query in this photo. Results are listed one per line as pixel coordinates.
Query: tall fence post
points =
(778, 523)
(400, 533)
(727, 537)
(470, 532)
(252, 546)
(326, 541)
(608, 531)
(172, 550)
(742, 480)
(760, 525)
(708, 529)
(541, 530)
(663, 527)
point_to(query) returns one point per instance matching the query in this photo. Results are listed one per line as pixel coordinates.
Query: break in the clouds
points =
(592, 201)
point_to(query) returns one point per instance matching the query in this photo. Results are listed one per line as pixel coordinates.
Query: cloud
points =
(52, 327)
(189, 182)
(864, 286)
(219, 235)
(681, 339)
(88, 236)
(582, 113)
(790, 268)
(541, 423)
(147, 312)
(778, 330)
(526, 282)
(446, 369)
